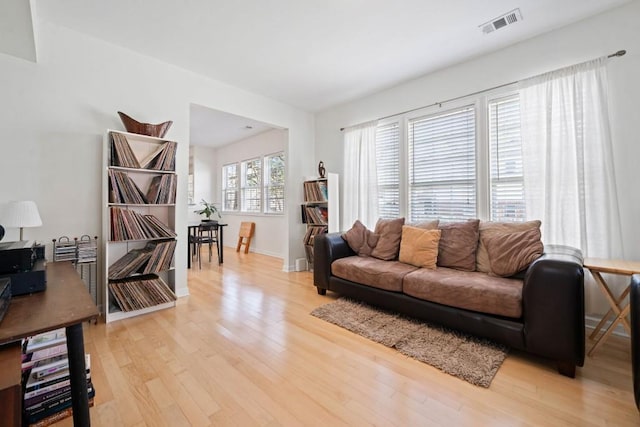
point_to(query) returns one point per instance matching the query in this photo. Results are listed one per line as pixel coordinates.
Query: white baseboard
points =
(591, 322)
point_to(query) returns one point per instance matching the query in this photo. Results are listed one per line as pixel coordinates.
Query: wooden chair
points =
(246, 232)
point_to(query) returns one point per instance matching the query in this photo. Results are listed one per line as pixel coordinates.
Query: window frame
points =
(266, 185)
(261, 189)
(246, 188)
(433, 111)
(235, 189)
(481, 103)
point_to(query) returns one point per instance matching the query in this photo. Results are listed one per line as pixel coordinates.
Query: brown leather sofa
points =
(634, 300)
(552, 320)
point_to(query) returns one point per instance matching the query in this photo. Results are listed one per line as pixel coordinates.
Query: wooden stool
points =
(246, 232)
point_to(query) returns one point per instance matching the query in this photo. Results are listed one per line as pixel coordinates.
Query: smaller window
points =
(507, 179)
(251, 186)
(230, 187)
(388, 166)
(274, 183)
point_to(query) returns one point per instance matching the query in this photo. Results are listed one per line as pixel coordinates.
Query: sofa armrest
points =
(553, 306)
(326, 249)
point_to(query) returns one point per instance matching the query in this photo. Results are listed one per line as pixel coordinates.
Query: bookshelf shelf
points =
(117, 314)
(320, 211)
(139, 214)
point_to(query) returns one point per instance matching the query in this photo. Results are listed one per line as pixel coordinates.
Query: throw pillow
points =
(419, 247)
(361, 239)
(488, 228)
(390, 231)
(512, 252)
(427, 225)
(458, 243)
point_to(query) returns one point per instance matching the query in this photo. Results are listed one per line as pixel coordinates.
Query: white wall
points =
(588, 39)
(54, 113)
(271, 230)
(205, 180)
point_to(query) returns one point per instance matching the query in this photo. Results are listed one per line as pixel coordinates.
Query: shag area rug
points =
(472, 359)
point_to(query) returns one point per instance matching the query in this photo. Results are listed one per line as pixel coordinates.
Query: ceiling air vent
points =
(501, 21)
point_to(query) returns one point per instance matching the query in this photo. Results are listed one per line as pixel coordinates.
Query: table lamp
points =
(21, 214)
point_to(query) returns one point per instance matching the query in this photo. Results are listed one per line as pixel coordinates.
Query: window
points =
(445, 177)
(506, 174)
(388, 168)
(230, 187)
(251, 185)
(274, 183)
(256, 185)
(442, 166)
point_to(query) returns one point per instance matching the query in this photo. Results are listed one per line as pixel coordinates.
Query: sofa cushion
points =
(512, 252)
(468, 290)
(373, 272)
(488, 228)
(419, 247)
(458, 244)
(361, 239)
(390, 231)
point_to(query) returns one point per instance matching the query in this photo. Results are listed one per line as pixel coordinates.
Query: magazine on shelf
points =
(44, 340)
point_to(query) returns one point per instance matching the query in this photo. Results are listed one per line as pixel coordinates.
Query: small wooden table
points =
(620, 312)
(65, 304)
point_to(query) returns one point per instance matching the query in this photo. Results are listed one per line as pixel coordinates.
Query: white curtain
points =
(360, 177)
(569, 177)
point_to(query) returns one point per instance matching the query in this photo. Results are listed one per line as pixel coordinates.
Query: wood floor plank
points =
(242, 349)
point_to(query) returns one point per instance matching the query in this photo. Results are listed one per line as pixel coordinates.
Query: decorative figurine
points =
(321, 169)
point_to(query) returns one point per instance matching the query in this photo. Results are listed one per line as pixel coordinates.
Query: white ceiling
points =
(214, 128)
(311, 54)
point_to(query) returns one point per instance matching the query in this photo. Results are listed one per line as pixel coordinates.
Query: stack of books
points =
(45, 379)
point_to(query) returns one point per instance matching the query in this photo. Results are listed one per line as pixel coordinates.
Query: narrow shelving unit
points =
(320, 210)
(139, 215)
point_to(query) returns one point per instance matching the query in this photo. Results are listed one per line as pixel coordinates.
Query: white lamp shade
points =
(21, 214)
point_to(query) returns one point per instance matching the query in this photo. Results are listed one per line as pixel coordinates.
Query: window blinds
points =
(506, 173)
(251, 186)
(442, 171)
(274, 183)
(230, 187)
(388, 170)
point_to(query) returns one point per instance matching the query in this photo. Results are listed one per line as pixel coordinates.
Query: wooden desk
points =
(192, 229)
(65, 304)
(620, 312)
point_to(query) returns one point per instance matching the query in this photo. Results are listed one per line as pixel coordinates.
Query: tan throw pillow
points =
(458, 243)
(419, 247)
(390, 231)
(512, 252)
(488, 228)
(426, 225)
(360, 239)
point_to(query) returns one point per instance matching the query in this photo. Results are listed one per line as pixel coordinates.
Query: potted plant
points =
(208, 210)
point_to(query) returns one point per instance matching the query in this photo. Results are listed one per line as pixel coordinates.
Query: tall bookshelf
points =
(139, 217)
(320, 211)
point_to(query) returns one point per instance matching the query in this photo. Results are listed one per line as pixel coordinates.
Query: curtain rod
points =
(613, 55)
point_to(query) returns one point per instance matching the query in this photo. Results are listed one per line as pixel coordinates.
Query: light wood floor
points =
(243, 350)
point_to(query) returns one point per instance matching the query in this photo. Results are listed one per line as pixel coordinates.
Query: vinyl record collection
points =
(154, 257)
(162, 158)
(127, 224)
(141, 292)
